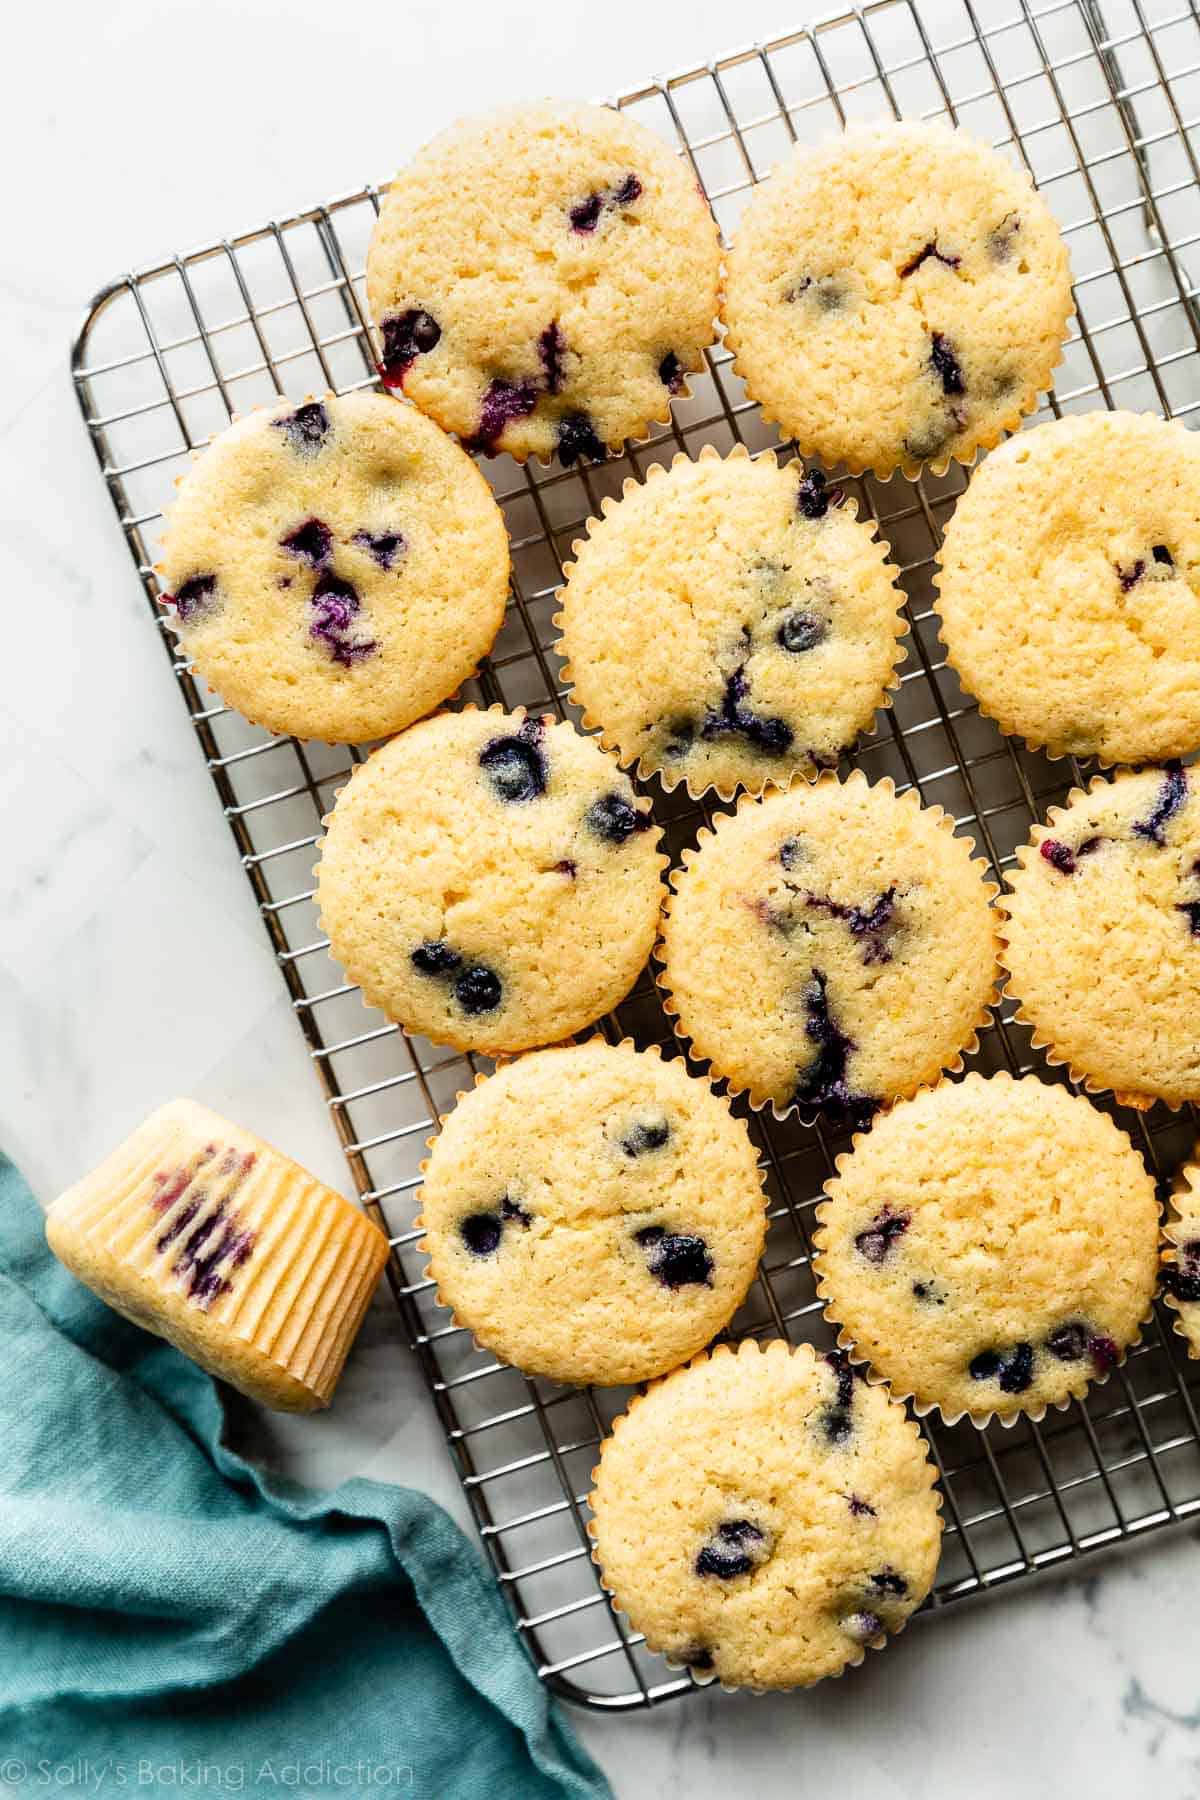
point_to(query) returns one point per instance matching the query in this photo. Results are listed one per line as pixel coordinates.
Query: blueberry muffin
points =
(334, 570)
(1181, 1257)
(1102, 941)
(593, 1213)
(989, 1247)
(830, 948)
(542, 279)
(201, 1233)
(728, 623)
(490, 880)
(1069, 587)
(896, 296)
(764, 1517)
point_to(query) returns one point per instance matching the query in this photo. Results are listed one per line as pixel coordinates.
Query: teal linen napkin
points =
(173, 1619)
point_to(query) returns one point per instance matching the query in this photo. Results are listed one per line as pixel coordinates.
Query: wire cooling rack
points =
(1098, 105)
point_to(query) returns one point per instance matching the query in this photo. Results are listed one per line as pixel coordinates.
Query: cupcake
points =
(730, 623)
(830, 948)
(896, 296)
(989, 1247)
(1102, 941)
(593, 1213)
(1181, 1257)
(201, 1233)
(764, 1518)
(543, 278)
(334, 570)
(490, 880)
(1069, 588)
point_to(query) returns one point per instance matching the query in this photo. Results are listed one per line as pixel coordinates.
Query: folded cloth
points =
(174, 1619)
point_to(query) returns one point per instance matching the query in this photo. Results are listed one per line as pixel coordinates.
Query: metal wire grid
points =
(1099, 107)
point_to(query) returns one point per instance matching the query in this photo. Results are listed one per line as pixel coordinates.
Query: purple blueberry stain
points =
(577, 440)
(827, 292)
(647, 1134)
(923, 256)
(1130, 577)
(876, 1242)
(837, 1419)
(1191, 912)
(862, 1626)
(210, 1253)
(614, 819)
(552, 350)
(791, 853)
(680, 736)
(823, 1083)
(193, 597)
(675, 1258)
(406, 336)
(306, 429)
(672, 373)
(874, 924)
(335, 604)
(311, 542)
(1000, 240)
(1077, 1340)
(1182, 1277)
(566, 867)
(773, 736)
(504, 402)
(946, 365)
(736, 1547)
(859, 1508)
(383, 547)
(814, 496)
(516, 765)
(627, 192)
(1062, 857)
(1171, 797)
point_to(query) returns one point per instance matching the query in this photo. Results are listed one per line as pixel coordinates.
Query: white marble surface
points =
(132, 965)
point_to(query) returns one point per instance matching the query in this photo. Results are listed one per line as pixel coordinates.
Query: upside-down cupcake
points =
(334, 570)
(830, 947)
(543, 278)
(895, 296)
(989, 1247)
(730, 623)
(593, 1213)
(490, 880)
(200, 1232)
(765, 1518)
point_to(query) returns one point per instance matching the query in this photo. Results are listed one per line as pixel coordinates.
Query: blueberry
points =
(1191, 911)
(613, 818)
(735, 1548)
(814, 497)
(922, 256)
(946, 365)
(823, 1083)
(875, 1243)
(675, 1258)
(577, 438)
(306, 429)
(801, 631)
(791, 852)
(512, 1209)
(1013, 1368)
(503, 402)
(886, 1581)
(999, 241)
(1104, 1352)
(644, 1135)
(481, 1233)
(860, 1509)
(478, 989)
(566, 867)
(985, 1366)
(516, 766)
(629, 191)
(334, 603)
(672, 373)
(1061, 857)
(405, 337)
(311, 542)
(695, 1656)
(1182, 1278)
(928, 1291)
(1068, 1342)
(585, 215)
(194, 596)
(1130, 577)
(1161, 554)
(383, 546)
(772, 736)
(861, 1626)
(435, 957)
(1171, 797)
(552, 348)
(837, 1419)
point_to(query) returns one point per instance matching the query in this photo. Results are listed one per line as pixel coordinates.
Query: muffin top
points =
(335, 569)
(830, 947)
(1070, 587)
(989, 1246)
(490, 880)
(762, 1516)
(593, 1213)
(1181, 1258)
(543, 278)
(896, 296)
(730, 622)
(1103, 934)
